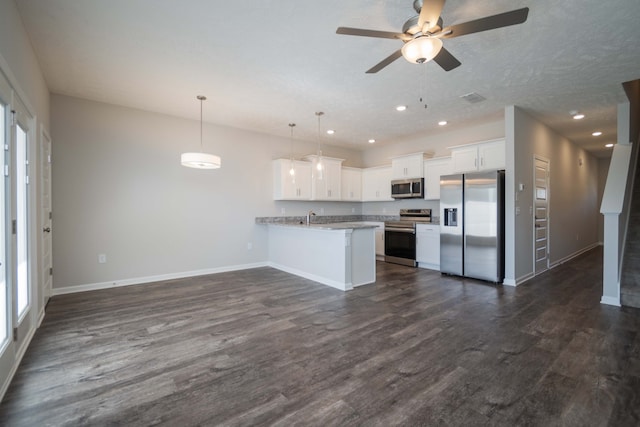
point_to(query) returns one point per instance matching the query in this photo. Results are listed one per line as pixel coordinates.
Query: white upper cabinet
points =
(291, 187)
(376, 184)
(325, 183)
(351, 184)
(477, 157)
(409, 166)
(433, 169)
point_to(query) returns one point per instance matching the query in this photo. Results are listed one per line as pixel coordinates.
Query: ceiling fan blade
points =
(446, 60)
(514, 17)
(386, 61)
(430, 12)
(371, 33)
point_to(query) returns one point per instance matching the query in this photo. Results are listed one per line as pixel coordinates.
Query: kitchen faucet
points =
(309, 215)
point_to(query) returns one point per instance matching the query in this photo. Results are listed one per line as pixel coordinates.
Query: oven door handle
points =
(401, 230)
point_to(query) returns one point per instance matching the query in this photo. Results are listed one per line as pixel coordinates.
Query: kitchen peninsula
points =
(340, 255)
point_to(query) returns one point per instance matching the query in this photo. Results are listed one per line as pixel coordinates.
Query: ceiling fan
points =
(422, 34)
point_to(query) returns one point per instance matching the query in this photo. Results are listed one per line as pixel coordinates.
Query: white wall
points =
(603, 171)
(119, 190)
(18, 55)
(574, 215)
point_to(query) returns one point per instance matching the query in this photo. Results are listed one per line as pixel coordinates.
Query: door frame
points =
(540, 158)
(46, 271)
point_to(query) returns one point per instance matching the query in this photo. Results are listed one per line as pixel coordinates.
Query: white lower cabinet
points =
(428, 246)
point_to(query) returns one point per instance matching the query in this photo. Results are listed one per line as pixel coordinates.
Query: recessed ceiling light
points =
(598, 133)
(609, 145)
(578, 116)
(442, 123)
(371, 141)
(331, 131)
(401, 107)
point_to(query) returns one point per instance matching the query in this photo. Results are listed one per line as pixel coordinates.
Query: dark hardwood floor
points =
(262, 347)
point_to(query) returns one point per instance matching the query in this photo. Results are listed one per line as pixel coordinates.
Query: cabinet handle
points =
(475, 162)
(481, 161)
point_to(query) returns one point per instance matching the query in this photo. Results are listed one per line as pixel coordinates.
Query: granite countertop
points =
(335, 221)
(325, 226)
(326, 219)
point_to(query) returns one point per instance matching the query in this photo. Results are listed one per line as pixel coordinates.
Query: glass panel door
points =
(22, 219)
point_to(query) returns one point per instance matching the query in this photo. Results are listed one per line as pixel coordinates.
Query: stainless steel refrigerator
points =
(472, 225)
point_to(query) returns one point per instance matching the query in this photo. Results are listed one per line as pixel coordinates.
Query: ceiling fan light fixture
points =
(421, 49)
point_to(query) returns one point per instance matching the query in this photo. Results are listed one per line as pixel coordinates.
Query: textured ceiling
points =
(265, 64)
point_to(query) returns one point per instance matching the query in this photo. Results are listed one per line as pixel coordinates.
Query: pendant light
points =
(292, 168)
(200, 160)
(319, 165)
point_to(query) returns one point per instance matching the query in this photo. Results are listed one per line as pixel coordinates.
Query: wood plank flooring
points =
(262, 347)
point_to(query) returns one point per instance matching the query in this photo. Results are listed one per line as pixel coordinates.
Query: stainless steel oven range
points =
(400, 236)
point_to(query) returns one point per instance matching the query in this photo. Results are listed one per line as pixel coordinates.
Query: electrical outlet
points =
(353, 210)
(321, 211)
(102, 258)
(249, 246)
(283, 211)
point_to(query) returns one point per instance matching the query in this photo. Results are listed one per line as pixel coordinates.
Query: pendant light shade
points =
(200, 160)
(292, 165)
(319, 165)
(421, 49)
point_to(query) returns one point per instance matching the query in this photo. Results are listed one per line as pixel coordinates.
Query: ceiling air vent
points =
(473, 98)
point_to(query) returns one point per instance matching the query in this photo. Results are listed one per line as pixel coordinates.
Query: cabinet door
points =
(326, 182)
(398, 169)
(351, 185)
(291, 187)
(408, 167)
(492, 155)
(384, 184)
(433, 169)
(333, 179)
(428, 245)
(302, 182)
(376, 184)
(464, 159)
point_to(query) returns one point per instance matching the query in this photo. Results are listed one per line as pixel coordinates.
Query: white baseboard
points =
(573, 255)
(610, 301)
(519, 281)
(151, 279)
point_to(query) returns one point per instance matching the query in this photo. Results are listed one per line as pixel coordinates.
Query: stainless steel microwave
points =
(407, 188)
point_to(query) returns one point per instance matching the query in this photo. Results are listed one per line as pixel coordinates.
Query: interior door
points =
(541, 215)
(45, 214)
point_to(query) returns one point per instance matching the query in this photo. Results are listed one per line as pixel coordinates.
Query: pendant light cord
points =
(201, 98)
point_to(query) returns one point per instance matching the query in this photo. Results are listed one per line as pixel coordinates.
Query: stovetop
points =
(410, 217)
